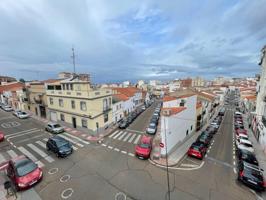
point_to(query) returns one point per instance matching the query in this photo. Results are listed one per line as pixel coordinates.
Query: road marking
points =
(188, 165)
(32, 157)
(110, 147)
(40, 164)
(72, 141)
(112, 135)
(206, 156)
(116, 149)
(208, 151)
(235, 170)
(6, 117)
(45, 139)
(131, 154)
(41, 144)
(2, 158)
(21, 132)
(234, 157)
(104, 145)
(126, 138)
(135, 131)
(124, 152)
(41, 153)
(132, 137)
(27, 139)
(122, 135)
(12, 153)
(137, 139)
(234, 163)
(117, 135)
(18, 135)
(75, 137)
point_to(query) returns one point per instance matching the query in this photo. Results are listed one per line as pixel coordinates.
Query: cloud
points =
(119, 40)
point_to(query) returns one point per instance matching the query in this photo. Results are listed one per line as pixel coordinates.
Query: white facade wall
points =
(117, 110)
(137, 98)
(178, 127)
(129, 105)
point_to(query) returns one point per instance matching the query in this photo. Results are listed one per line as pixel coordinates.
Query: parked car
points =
(156, 115)
(54, 128)
(143, 108)
(2, 136)
(246, 146)
(123, 124)
(251, 175)
(215, 125)
(7, 108)
(60, 146)
(143, 148)
(154, 121)
(241, 131)
(197, 149)
(151, 129)
(23, 172)
(241, 136)
(243, 141)
(21, 114)
(244, 155)
(205, 140)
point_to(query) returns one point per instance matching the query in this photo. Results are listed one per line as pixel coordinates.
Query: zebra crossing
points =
(125, 136)
(36, 150)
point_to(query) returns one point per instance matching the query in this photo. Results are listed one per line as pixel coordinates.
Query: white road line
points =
(104, 145)
(131, 154)
(117, 135)
(208, 151)
(77, 138)
(235, 170)
(45, 139)
(122, 135)
(126, 138)
(206, 156)
(2, 158)
(116, 149)
(234, 163)
(21, 134)
(41, 144)
(27, 153)
(137, 139)
(234, 157)
(72, 141)
(188, 165)
(132, 137)
(112, 135)
(41, 153)
(110, 147)
(124, 152)
(40, 164)
(12, 153)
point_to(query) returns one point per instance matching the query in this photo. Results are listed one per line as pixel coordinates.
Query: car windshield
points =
(62, 143)
(195, 147)
(25, 167)
(152, 126)
(57, 126)
(247, 145)
(22, 113)
(144, 145)
(255, 173)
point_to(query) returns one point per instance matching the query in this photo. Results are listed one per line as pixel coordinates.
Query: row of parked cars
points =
(152, 128)
(18, 113)
(124, 123)
(249, 171)
(199, 148)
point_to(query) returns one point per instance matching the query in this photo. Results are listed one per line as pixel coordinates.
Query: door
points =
(36, 111)
(74, 122)
(53, 116)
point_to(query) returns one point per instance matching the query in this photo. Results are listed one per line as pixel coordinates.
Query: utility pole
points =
(73, 58)
(167, 170)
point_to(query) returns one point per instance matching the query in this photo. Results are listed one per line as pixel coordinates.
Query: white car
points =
(21, 114)
(151, 129)
(7, 108)
(241, 136)
(215, 125)
(247, 147)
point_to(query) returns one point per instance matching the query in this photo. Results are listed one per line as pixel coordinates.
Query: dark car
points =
(210, 130)
(205, 140)
(247, 156)
(60, 146)
(154, 121)
(123, 124)
(23, 172)
(250, 175)
(206, 134)
(129, 119)
(239, 126)
(197, 149)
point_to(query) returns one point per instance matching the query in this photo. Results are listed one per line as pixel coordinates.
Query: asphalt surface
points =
(99, 171)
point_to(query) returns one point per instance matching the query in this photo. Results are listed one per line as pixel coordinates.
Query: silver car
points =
(151, 129)
(21, 114)
(54, 128)
(7, 108)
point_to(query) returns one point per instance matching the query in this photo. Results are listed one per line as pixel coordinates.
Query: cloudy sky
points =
(117, 40)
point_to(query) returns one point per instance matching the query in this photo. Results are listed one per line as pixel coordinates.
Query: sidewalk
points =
(180, 150)
(85, 135)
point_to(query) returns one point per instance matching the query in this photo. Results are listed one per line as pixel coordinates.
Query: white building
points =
(259, 119)
(117, 108)
(126, 84)
(174, 86)
(177, 121)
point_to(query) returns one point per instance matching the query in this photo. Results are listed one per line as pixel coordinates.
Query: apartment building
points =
(118, 101)
(75, 102)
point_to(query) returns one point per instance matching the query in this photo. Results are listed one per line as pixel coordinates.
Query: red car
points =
(197, 149)
(242, 131)
(143, 149)
(2, 136)
(23, 172)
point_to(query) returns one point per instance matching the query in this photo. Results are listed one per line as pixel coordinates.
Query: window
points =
(83, 105)
(84, 123)
(105, 117)
(105, 106)
(73, 106)
(63, 86)
(51, 101)
(110, 101)
(67, 86)
(71, 86)
(61, 103)
(62, 117)
(191, 128)
(187, 133)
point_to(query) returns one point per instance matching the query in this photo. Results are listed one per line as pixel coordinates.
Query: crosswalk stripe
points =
(74, 142)
(137, 139)
(32, 157)
(110, 136)
(118, 135)
(41, 153)
(12, 153)
(41, 144)
(132, 137)
(2, 158)
(122, 135)
(45, 139)
(77, 138)
(128, 135)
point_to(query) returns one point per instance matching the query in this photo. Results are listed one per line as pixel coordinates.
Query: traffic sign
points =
(162, 145)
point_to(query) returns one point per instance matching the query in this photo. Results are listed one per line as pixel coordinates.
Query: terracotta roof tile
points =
(168, 98)
(121, 97)
(12, 87)
(174, 110)
(129, 92)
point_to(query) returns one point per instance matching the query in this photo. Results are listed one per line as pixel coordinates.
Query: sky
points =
(117, 40)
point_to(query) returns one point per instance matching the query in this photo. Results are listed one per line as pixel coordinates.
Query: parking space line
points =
(131, 154)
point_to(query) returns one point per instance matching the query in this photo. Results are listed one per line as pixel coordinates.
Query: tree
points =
(21, 80)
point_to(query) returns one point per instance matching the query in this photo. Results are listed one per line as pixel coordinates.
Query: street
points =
(110, 170)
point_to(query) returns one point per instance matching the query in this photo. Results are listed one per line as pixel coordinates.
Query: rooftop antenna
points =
(73, 58)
